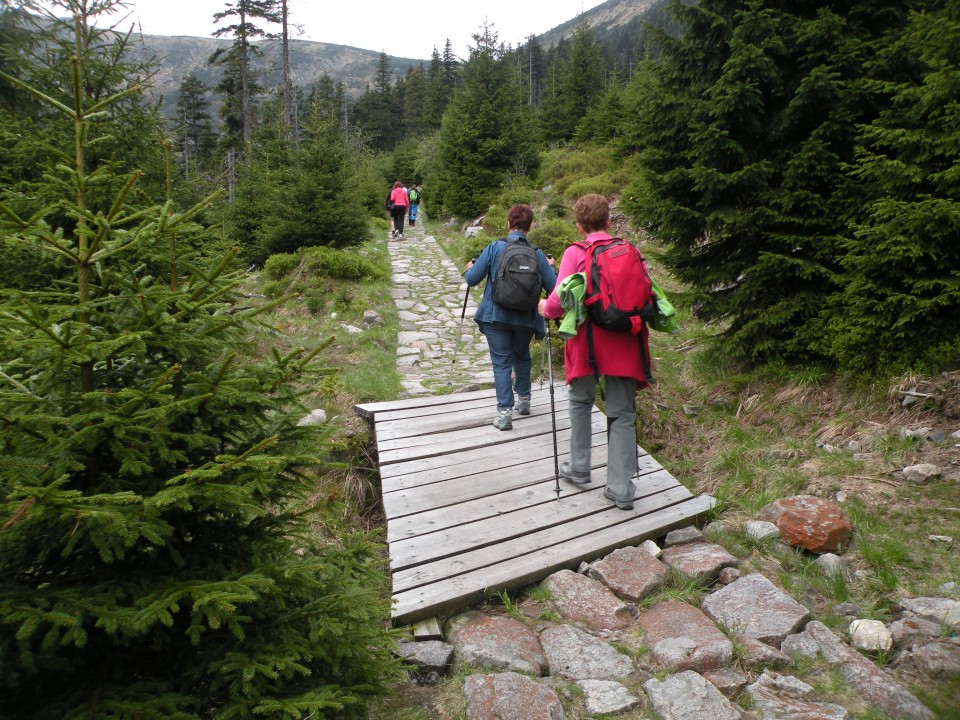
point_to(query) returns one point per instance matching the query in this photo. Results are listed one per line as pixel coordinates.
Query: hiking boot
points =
(621, 504)
(504, 419)
(523, 404)
(578, 477)
(413, 223)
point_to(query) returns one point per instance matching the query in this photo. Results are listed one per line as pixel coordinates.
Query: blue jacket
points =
(486, 266)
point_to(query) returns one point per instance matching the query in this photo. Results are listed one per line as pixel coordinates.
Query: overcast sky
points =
(377, 25)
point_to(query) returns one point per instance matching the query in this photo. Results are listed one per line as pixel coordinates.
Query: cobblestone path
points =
(429, 293)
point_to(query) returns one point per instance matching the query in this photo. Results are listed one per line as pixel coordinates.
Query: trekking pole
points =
(460, 329)
(553, 414)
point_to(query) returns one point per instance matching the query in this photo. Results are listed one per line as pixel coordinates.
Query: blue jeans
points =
(509, 352)
(413, 212)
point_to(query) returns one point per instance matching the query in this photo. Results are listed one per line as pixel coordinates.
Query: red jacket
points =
(617, 353)
(399, 196)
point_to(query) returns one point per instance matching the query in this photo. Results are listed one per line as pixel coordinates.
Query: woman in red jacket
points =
(619, 359)
(398, 196)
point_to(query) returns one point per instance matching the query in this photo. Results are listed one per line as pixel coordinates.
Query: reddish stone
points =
(812, 523)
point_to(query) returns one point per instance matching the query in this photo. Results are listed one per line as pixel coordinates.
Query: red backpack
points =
(618, 294)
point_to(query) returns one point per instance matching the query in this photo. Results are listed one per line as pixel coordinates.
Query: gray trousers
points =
(621, 430)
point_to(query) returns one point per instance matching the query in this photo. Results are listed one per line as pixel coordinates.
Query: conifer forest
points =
(161, 555)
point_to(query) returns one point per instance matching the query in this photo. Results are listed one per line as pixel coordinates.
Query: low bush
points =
(340, 264)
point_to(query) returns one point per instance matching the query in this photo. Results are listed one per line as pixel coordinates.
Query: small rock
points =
(847, 608)
(945, 539)
(761, 529)
(870, 636)
(831, 565)
(729, 575)
(372, 317)
(316, 417)
(651, 548)
(921, 473)
(607, 697)
(682, 536)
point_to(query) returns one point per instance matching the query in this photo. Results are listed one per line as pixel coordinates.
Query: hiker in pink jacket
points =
(398, 196)
(619, 360)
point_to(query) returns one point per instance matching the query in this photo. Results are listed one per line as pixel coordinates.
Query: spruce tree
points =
(196, 138)
(900, 296)
(157, 558)
(380, 111)
(744, 133)
(414, 97)
(436, 98)
(486, 133)
(241, 88)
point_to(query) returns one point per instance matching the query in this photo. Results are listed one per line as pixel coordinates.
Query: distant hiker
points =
(516, 275)
(413, 195)
(620, 356)
(397, 203)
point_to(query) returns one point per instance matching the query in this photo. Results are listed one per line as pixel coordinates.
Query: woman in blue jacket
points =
(509, 331)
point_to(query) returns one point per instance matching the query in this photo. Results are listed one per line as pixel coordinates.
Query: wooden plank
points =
(537, 397)
(509, 452)
(439, 518)
(452, 421)
(577, 516)
(455, 497)
(482, 432)
(532, 451)
(403, 449)
(463, 590)
(529, 521)
(369, 410)
(428, 629)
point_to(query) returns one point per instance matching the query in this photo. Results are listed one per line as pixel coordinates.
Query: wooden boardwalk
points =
(472, 510)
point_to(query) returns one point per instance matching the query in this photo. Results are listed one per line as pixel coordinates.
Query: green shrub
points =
(275, 288)
(557, 208)
(340, 264)
(472, 247)
(553, 237)
(520, 190)
(280, 265)
(564, 166)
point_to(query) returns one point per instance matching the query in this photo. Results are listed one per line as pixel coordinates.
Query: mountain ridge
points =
(181, 55)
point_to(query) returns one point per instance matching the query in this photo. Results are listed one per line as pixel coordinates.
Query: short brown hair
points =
(592, 212)
(398, 184)
(520, 217)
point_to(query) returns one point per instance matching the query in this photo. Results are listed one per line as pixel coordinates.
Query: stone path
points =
(672, 659)
(429, 292)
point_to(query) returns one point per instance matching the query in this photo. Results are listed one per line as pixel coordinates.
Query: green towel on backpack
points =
(665, 320)
(570, 294)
